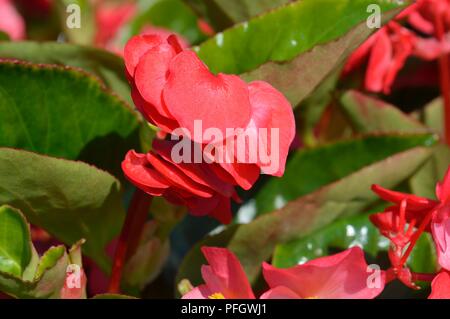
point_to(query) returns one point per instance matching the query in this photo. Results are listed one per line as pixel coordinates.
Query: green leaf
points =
(65, 113)
(47, 286)
(424, 182)
(434, 115)
(40, 278)
(211, 13)
(346, 233)
(316, 69)
(369, 114)
(311, 108)
(71, 200)
(310, 169)
(85, 33)
(106, 66)
(49, 259)
(293, 29)
(170, 14)
(255, 242)
(243, 10)
(15, 242)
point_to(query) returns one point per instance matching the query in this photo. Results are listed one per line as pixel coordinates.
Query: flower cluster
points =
(389, 48)
(403, 224)
(345, 275)
(174, 90)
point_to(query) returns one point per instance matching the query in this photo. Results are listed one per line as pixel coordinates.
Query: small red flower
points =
(389, 48)
(404, 223)
(341, 276)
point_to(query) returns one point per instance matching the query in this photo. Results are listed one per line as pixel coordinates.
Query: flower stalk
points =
(129, 236)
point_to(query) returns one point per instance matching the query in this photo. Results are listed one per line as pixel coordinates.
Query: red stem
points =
(444, 72)
(130, 236)
(416, 237)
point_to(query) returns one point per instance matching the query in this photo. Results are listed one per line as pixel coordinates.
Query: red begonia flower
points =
(224, 277)
(174, 90)
(344, 275)
(11, 22)
(389, 48)
(440, 286)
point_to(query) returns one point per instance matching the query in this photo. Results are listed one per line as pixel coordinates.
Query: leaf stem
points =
(129, 236)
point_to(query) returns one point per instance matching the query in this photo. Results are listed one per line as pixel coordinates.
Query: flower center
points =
(216, 295)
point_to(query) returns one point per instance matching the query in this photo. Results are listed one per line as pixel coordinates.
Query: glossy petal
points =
(441, 236)
(271, 111)
(280, 292)
(414, 202)
(176, 177)
(151, 114)
(137, 169)
(193, 93)
(225, 274)
(379, 62)
(165, 33)
(136, 47)
(343, 275)
(403, 42)
(440, 287)
(360, 55)
(198, 172)
(200, 292)
(151, 75)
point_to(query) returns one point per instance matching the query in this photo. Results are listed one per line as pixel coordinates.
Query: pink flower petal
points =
(271, 110)
(441, 236)
(279, 292)
(225, 274)
(343, 275)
